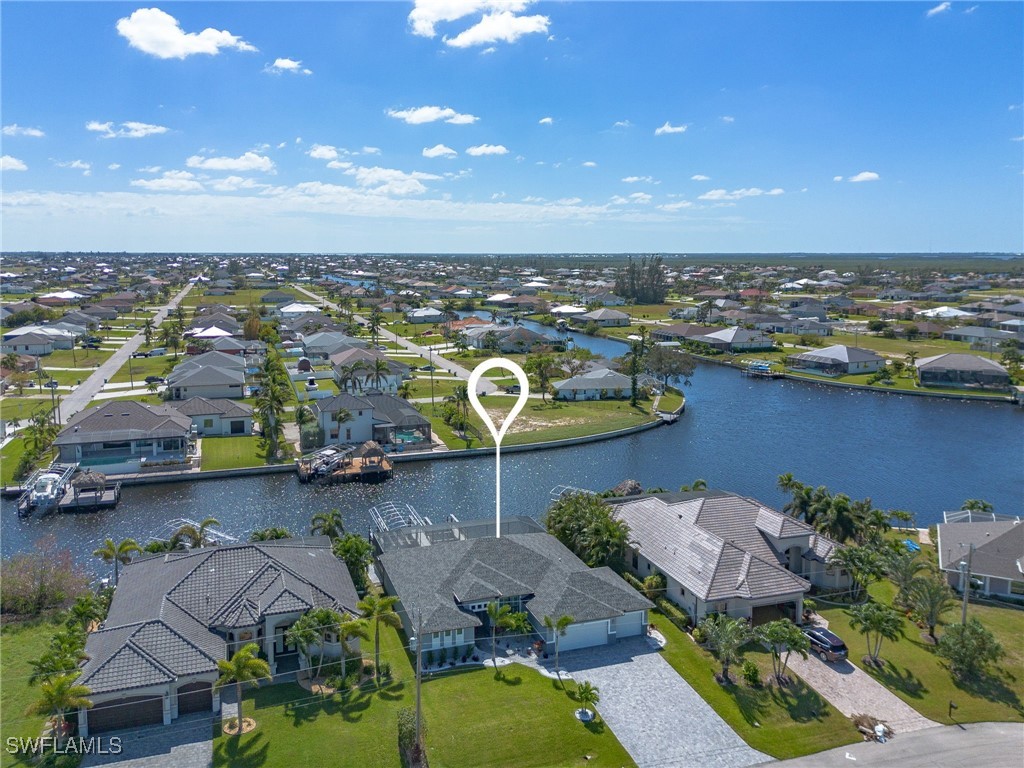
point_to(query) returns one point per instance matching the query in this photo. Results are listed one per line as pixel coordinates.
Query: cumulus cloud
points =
(641, 197)
(339, 164)
(430, 114)
(669, 128)
(676, 206)
(501, 27)
(635, 179)
(622, 124)
(323, 152)
(159, 34)
(737, 194)
(171, 181)
(113, 166)
(439, 150)
(371, 150)
(250, 161)
(940, 8)
(8, 163)
(391, 181)
(569, 201)
(542, 121)
(129, 130)
(970, 10)
(290, 66)
(235, 183)
(17, 130)
(728, 119)
(700, 177)
(590, 164)
(865, 176)
(487, 149)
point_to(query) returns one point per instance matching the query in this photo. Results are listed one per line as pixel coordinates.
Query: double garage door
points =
(130, 712)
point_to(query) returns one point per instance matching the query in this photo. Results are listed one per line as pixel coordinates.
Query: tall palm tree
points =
(58, 695)
(84, 612)
(902, 567)
(461, 399)
(378, 372)
(350, 628)
(270, 403)
(10, 361)
(559, 627)
(326, 622)
(271, 533)
(304, 634)
(930, 598)
(838, 519)
(379, 610)
(876, 622)
(244, 667)
(499, 617)
(404, 390)
(726, 636)
(787, 484)
(117, 553)
(374, 321)
(304, 416)
(588, 696)
(195, 536)
(147, 332)
(330, 524)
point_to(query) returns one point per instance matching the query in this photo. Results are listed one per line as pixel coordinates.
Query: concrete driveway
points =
(654, 713)
(185, 743)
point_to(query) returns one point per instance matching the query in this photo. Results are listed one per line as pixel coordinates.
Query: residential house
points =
(36, 344)
(982, 337)
(678, 332)
(295, 309)
(211, 374)
(425, 315)
(803, 326)
(838, 360)
(123, 436)
(323, 344)
(997, 559)
(508, 338)
(598, 384)
(396, 421)
(605, 318)
(175, 615)
(217, 418)
(724, 553)
(736, 340)
(276, 297)
(358, 426)
(364, 377)
(961, 370)
(445, 576)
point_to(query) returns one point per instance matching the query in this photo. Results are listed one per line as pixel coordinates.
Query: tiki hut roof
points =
(89, 479)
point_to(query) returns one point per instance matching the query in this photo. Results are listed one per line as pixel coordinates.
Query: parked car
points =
(513, 389)
(826, 644)
(90, 345)
(157, 351)
(156, 379)
(51, 384)
(140, 354)
(426, 368)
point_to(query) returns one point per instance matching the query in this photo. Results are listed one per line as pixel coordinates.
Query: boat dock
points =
(44, 489)
(761, 369)
(90, 500)
(366, 463)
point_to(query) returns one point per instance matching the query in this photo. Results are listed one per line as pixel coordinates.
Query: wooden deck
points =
(357, 470)
(90, 500)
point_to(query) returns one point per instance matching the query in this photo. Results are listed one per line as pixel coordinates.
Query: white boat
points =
(46, 490)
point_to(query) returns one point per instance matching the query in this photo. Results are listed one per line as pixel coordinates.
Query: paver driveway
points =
(185, 743)
(654, 713)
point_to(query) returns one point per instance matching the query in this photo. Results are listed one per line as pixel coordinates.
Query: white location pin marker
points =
(498, 434)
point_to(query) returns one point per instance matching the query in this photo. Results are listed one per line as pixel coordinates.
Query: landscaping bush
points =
(407, 735)
(311, 437)
(385, 670)
(630, 579)
(698, 635)
(673, 612)
(751, 674)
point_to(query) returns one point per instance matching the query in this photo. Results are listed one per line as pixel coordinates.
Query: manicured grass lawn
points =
(670, 401)
(19, 644)
(780, 722)
(10, 455)
(142, 367)
(918, 676)
(82, 358)
(890, 347)
(420, 386)
(232, 452)
(17, 408)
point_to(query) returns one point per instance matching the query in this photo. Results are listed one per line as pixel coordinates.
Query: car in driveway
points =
(155, 379)
(828, 645)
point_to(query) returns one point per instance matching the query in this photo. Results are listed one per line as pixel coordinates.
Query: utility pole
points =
(431, 352)
(419, 683)
(966, 582)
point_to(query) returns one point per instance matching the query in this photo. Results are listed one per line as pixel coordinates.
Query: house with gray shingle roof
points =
(217, 417)
(838, 360)
(174, 615)
(723, 553)
(597, 384)
(448, 573)
(997, 560)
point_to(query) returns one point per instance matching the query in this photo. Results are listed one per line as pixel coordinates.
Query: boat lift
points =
(563, 490)
(30, 501)
(388, 516)
(167, 530)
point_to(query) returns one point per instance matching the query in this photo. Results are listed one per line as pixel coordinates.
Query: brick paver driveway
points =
(654, 713)
(852, 691)
(185, 743)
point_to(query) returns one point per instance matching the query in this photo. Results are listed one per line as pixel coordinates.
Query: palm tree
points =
(379, 610)
(378, 372)
(977, 505)
(461, 399)
(117, 552)
(542, 368)
(194, 536)
(270, 403)
(558, 627)
(783, 637)
(876, 622)
(244, 667)
(304, 416)
(350, 628)
(588, 696)
(147, 332)
(902, 567)
(57, 696)
(930, 598)
(903, 516)
(329, 524)
(500, 617)
(272, 533)
(374, 322)
(304, 634)
(726, 636)
(787, 484)
(10, 361)
(697, 485)
(863, 564)
(170, 337)
(67, 649)
(326, 622)
(837, 518)
(404, 390)
(84, 612)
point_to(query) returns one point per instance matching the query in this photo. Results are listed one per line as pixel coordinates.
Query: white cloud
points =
(641, 197)
(837, 178)
(679, 205)
(590, 164)
(371, 150)
(498, 196)
(159, 34)
(503, 27)
(669, 128)
(8, 163)
(487, 149)
(250, 161)
(290, 66)
(1017, 138)
(131, 129)
(113, 166)
(700, 177)
(533, 199)
(235, 183)
(17, 130)
(419, 115)
(737, 194)
(546, 121)
(390, 181)
(1014, 107)
(488, 51)
(171, 181)
(427, 14)
(323, 152)
(339, 164)
(569, 201)
(728, 119)
(940, 8)
(970, 10)
(78, 165)
(865, 176)
(635, 179)
(150, 169)
(439, 150)
(622, 124)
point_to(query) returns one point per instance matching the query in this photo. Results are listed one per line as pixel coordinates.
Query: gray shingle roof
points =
(203, 406)
(998, 548)
(124, 420)
(839, 353)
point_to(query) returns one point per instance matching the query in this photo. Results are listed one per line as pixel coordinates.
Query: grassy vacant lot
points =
(889, 347)
(420, 386)
(472, 718)
(232, 452)
(19, 644)
(77, 358)
(780, 722)
(918, 676)
(142, 367)
(10, 455)
(17, 408)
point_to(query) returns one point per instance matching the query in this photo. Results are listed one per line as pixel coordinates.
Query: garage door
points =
(126, 713)
(585, 635)
(195, 697)
(630, 624)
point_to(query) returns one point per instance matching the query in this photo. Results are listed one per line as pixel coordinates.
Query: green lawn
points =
(783, 723)
(142, 367)
(232, 452)
(76, 358)
(890, 347)
(420, 386)
(19, 644)
(10, 455)
(918, 676)
(17, 408)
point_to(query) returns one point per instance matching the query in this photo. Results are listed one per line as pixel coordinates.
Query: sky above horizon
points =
(513, 126)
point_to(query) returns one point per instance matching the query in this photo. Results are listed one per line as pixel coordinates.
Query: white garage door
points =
(630, 625)
(585, 635)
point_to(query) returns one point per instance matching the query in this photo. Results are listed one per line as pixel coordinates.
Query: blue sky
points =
(511, 126)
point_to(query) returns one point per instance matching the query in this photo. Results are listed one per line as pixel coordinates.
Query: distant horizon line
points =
(1004, 255)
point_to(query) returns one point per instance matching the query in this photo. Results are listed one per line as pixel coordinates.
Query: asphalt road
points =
(88, 389)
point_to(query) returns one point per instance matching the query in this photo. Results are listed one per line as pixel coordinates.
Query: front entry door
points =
(280, 644)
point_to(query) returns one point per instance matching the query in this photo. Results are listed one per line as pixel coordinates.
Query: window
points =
(207, 423)
(116, 446)
(348, 433)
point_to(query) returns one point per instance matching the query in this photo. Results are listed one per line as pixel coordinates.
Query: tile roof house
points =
(218, 417)
(448, 573)
(838, 360)
(997, 559)
(960, 370)
(174, 615)
(724, 553)
(597, 384)
(211, 375)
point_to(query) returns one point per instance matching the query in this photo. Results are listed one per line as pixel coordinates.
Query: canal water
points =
(925, 455)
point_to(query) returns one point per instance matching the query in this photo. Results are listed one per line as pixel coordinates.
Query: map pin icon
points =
(498, 434)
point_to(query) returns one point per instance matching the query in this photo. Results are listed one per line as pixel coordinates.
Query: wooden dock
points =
(90, 500)
(366, 463)
(361, 470)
